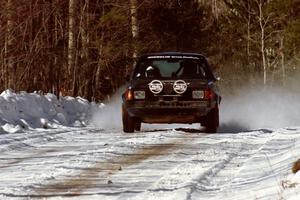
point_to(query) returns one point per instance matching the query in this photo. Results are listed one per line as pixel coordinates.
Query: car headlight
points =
(198, 94)
(139, 94)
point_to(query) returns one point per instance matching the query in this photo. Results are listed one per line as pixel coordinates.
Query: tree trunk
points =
(84, 21)
(10, 68)
(72, 37)
(248, 31)
(134, 28)
(282, 59)
(84, 32)
(262, 40)
(214, 8)
(51, 48)
(72, 68)
(98, 69)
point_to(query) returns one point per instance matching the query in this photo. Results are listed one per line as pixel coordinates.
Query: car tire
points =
(128, 122)
(212, 121)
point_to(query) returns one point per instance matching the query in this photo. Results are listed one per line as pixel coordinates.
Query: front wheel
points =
(128, 122)
(212, 121)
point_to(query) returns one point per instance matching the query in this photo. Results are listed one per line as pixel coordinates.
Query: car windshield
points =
(171, 68)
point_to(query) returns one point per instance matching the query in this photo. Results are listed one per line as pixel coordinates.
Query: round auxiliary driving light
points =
(180, 86)
(156, 86)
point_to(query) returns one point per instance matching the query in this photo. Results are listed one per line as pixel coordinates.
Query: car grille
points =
(168, 88)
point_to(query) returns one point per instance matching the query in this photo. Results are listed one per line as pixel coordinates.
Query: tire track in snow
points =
(10, 142)
(187, 175)
(74, 186)
(201, 172)
(9, 162)
(127, 159)
(257, 168)
(29, 143)
(43, 159)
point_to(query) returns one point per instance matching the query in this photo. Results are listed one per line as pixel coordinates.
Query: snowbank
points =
(33, 110)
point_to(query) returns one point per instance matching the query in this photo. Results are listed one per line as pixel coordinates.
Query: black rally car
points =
(171, 88)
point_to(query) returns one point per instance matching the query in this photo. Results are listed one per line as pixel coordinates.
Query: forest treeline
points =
(86, 47)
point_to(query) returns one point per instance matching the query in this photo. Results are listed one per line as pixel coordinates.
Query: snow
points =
(19, 111)
(50, 150)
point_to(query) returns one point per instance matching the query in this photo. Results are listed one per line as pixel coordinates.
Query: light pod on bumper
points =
(180, 86)
(156, 86)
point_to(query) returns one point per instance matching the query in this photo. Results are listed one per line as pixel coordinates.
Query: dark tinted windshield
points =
(171, 68)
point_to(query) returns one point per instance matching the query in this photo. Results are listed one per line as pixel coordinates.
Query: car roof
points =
(172, 54)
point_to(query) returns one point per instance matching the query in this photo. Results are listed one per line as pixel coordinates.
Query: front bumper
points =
(168, 111)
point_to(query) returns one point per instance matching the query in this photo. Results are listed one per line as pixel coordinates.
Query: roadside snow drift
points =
(33, 110)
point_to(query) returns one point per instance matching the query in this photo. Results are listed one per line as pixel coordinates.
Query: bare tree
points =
(248, 30)
(71, 36)
(84, 47)
(100, 55)
(263, 21)
(282, 59)
(134, 26)
(72, 69)
(10, 68)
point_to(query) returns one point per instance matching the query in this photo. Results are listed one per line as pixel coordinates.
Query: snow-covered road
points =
(90, 163)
